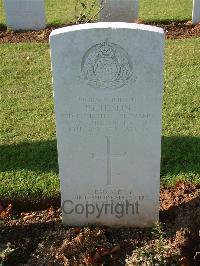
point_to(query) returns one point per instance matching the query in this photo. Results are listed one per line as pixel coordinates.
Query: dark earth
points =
(39, 238)
(173, 30)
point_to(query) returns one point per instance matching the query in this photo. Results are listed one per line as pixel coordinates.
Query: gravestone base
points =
(95, 206)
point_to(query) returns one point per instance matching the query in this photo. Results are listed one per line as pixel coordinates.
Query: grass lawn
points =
(181, 112)
(28, 151)
(165, 10)
(62, 11)
(28, 159)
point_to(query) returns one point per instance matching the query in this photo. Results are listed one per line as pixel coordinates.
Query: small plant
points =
(5, 251)
(155, 253)
(87, 11)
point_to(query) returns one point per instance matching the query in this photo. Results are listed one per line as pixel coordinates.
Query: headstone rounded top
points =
(106, 25)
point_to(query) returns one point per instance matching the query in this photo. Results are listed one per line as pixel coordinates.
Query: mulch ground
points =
(38, 238)
(174, 30)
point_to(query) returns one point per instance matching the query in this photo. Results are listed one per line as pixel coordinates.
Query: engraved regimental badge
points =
(106, 66)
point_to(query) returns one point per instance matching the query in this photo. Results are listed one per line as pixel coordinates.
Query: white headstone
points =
(25, 14)
(196, 12)
(119, 10)
(108, 83)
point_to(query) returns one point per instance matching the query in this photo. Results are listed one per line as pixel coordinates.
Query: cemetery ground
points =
(30, 219)
(29, 170)
(175, 19)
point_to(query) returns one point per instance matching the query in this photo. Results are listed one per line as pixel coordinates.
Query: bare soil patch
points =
(180, 30)
(174, 30)
(39, 238)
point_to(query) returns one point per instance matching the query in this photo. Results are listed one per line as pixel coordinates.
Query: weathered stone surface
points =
(119, 10)
(196, 12)
(108, 82)
(25, 14)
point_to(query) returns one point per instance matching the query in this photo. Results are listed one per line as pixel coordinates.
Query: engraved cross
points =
(108, 158)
